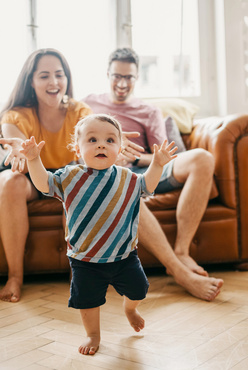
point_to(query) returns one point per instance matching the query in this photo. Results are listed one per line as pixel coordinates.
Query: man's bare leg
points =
(133, 315)
(15, 191)
(91, 321)
(153, 239)
(195, 169)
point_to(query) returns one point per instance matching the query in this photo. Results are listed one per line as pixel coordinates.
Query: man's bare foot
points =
(89, 346)
(11, 292)
(199, 286)
(135, 319)
(191, 264)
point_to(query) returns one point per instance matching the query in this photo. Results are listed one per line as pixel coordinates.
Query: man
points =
(191, 170)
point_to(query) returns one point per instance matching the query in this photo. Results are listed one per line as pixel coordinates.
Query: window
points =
(166, 39)
(84, 31)
(13, 43)
(177, 41)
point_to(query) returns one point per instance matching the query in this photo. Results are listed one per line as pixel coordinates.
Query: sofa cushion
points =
(182, 111)
(169, 200)
(173, 134)
(49, 206)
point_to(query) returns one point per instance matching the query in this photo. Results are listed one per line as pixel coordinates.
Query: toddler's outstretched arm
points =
(37, 171)
(161, 156)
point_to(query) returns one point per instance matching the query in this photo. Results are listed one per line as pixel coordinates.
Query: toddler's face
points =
(99, 144)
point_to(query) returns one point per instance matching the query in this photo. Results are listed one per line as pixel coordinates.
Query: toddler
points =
(101, 203)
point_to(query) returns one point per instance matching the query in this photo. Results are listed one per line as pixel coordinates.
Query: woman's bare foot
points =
(135, 319)
(191, 264)
(199, 286)
(89, 346)
(11, 292)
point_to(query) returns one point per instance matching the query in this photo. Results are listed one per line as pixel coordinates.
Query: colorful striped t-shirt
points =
(102, 210)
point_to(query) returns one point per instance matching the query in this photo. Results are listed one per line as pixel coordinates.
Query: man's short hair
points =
(127, 55)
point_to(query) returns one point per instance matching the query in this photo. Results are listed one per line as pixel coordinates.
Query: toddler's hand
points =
(165, 153)
(31, 149)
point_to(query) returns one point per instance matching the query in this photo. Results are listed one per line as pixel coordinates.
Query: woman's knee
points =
(13, 184)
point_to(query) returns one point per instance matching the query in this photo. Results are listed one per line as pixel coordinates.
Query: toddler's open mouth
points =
(101, 155)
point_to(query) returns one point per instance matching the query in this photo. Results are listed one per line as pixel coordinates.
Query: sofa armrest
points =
(227, 139)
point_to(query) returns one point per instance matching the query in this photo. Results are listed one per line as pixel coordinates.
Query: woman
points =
(41, 105)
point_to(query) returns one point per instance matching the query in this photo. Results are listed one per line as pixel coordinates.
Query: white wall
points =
(232, 84)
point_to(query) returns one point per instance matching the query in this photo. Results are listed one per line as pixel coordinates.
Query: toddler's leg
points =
(91, 321)
(133, 315)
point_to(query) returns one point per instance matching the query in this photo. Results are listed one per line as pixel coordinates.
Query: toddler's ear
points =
(78, 154)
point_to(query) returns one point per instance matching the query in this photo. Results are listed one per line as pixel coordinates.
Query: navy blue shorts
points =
(90, 281)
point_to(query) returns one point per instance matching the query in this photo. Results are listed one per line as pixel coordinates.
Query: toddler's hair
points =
(100, 117)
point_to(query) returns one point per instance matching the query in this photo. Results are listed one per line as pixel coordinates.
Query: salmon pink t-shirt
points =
(134, 115)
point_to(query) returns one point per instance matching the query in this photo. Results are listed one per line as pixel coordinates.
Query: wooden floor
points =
(182, 332)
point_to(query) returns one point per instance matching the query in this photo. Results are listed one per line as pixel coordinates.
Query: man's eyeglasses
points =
(130, 79)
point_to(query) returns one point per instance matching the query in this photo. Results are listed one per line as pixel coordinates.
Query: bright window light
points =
(84, 31)
(165, 34)
(13, 43)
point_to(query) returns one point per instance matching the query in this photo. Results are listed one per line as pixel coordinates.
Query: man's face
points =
(122, 77)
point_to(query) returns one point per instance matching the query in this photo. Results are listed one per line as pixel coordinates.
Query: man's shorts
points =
(167, 181)
(90, 281)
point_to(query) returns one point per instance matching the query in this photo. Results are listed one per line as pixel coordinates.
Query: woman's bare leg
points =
(91, 321)
(15, 191)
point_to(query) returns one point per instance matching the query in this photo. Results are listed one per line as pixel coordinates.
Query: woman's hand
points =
(14, 157)
(130, 150)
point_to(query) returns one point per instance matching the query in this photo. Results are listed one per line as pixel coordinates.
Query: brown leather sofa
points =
(222, 236)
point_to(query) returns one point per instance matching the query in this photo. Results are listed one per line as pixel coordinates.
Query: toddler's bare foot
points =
(191, 264)
(11, 292)
(135, 319)
(89, 346)
(203, 287)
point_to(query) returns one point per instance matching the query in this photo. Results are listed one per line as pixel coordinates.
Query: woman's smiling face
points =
(49, 81)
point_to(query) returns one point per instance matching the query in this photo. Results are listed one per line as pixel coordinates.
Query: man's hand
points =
(15, 158)
(130, 150)
(31, 149)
